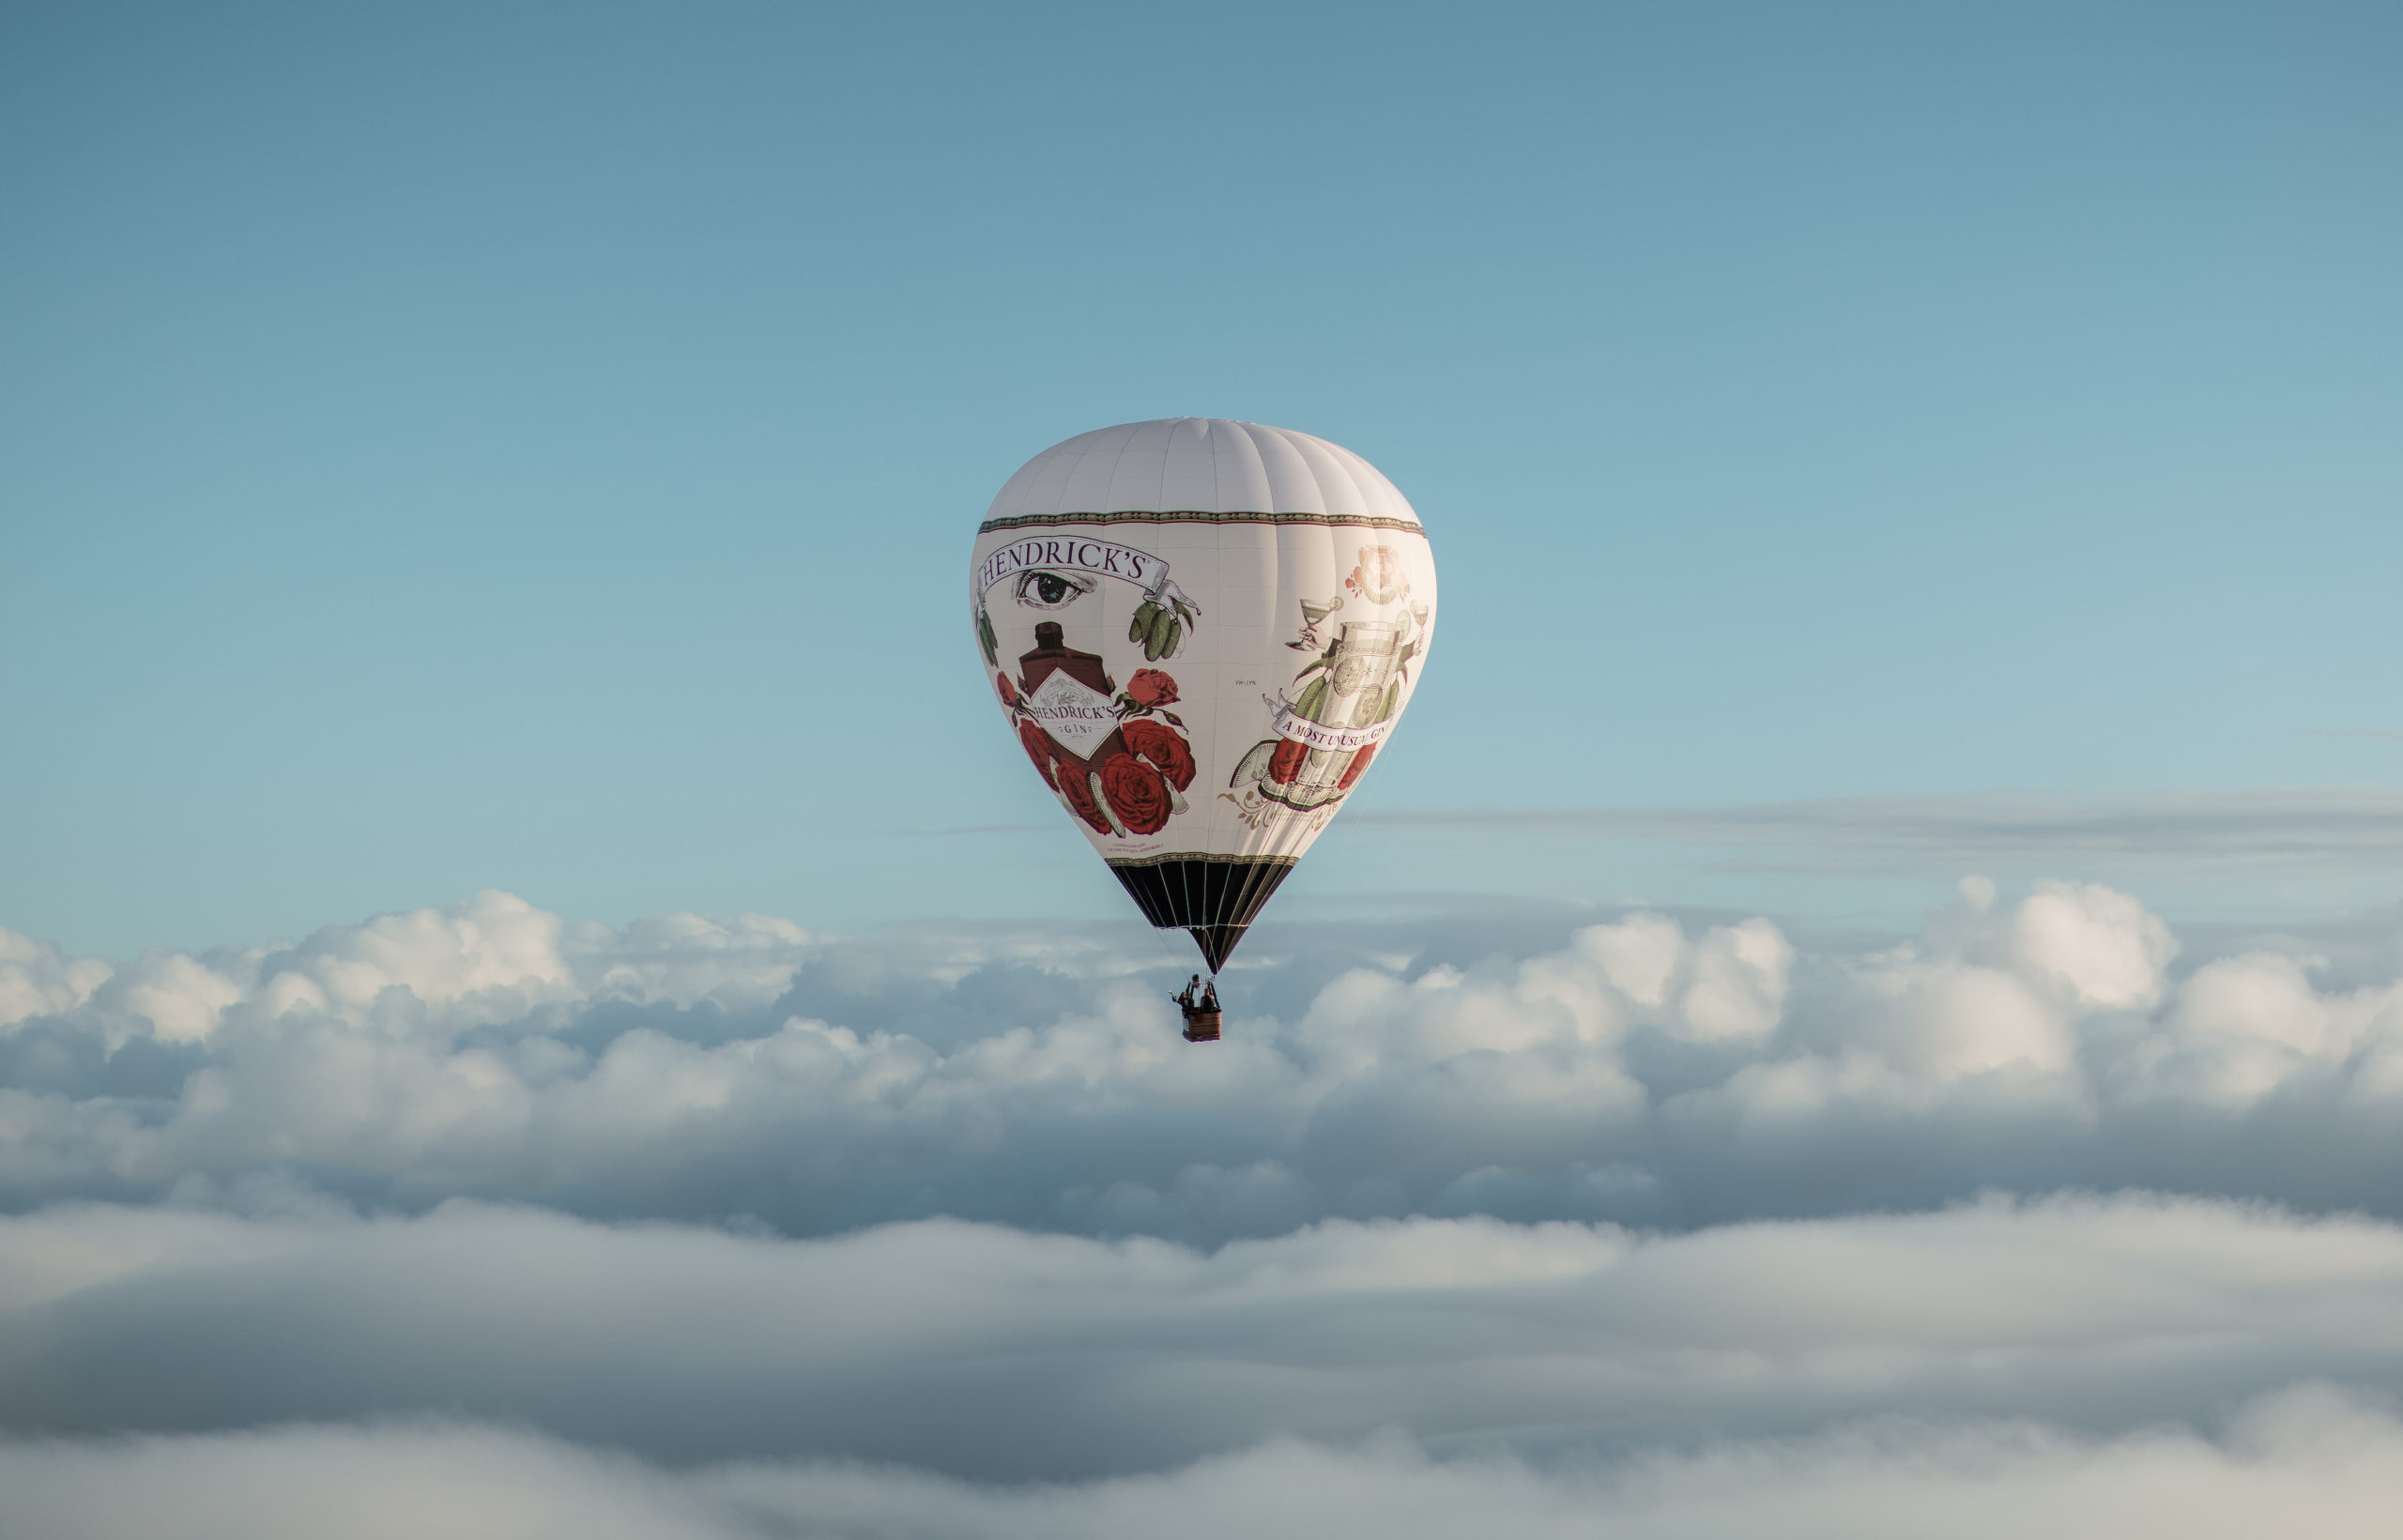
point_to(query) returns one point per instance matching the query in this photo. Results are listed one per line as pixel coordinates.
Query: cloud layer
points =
(2306, 1462)
(1645, 1070)
(476, 1220)
(992, 1354)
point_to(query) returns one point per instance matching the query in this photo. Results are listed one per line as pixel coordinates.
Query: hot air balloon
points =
(1201, 631)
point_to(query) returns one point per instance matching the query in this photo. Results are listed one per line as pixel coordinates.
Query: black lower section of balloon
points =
(1215, 899)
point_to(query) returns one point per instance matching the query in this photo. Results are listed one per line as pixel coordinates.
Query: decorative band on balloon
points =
(1217, 857)
(1286, 720)
(1199, 515)
(1094, 557)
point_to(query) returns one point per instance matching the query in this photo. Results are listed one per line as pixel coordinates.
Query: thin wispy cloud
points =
(2296, 828)
(950, 832)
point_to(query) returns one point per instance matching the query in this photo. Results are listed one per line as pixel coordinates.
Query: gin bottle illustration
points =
(1070, 695)
(1052, 652)
(1357, 688)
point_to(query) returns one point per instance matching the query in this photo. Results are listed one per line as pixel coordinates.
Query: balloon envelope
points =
(1201, 631)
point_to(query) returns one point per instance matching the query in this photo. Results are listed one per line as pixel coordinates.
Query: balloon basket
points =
(1201, 1026)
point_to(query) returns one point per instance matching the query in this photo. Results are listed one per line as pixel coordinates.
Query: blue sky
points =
(535, 447)
(537, 997)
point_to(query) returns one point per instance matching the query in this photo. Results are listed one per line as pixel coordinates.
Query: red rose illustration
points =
(1352, 771)
(1039, 748)
(1079, 790)
(1163, 746)
(1286, 762)
(1151, 689)
(1009, 696)
(1136, 792)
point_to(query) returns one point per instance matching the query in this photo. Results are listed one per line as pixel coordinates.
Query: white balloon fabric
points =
(1201, 633)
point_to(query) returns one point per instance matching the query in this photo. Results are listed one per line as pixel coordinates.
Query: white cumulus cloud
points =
(1648, 1069)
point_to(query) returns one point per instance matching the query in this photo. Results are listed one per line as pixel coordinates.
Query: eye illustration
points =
(1051, 590)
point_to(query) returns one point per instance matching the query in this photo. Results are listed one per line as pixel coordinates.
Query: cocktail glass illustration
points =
(1311, 616)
